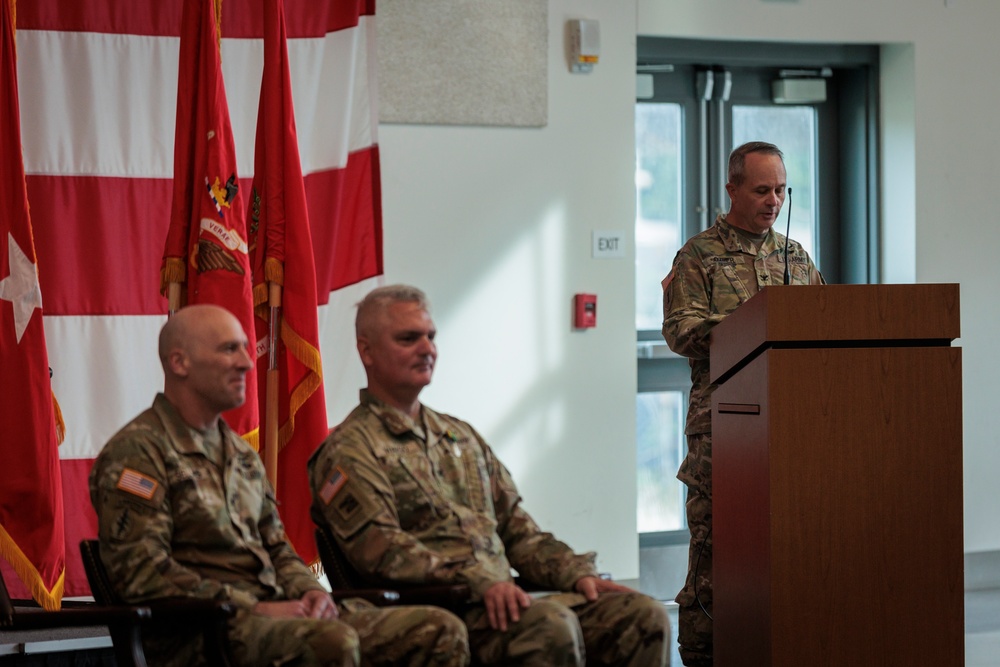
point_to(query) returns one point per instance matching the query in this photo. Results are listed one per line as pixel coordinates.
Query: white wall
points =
(495, 224)
(940, 134)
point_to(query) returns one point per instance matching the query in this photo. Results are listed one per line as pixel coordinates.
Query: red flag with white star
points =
(99, 158)
(31, 504)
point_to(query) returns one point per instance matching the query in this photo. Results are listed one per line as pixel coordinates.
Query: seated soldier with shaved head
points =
(413, 495)
(184, 509)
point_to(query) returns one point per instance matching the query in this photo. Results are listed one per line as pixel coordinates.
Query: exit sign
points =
(609, 245)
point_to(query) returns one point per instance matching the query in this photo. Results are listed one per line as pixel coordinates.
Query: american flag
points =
(136, 483)
(334, 484)
(98, 83)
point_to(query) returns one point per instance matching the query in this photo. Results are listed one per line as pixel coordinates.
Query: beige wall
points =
(495, 223)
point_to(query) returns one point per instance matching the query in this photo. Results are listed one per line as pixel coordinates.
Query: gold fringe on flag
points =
(274, 271)
(173, 271)
(253, 437)
(218, 25)
(49, 599)
(302, 350)
(60, 424)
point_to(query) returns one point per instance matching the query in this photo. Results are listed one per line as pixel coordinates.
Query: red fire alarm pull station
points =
(585, 311)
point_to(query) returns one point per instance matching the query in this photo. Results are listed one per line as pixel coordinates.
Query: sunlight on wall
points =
(497, 373)
(343, 374)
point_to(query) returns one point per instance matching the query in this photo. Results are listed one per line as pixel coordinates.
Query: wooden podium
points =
(837, 478)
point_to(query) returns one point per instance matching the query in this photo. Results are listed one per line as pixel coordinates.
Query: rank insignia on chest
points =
(452, 437)
(134, 482)
(334, 484)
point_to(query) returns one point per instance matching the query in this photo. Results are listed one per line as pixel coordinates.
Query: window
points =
(794, 131)
(658, 223)
(660, 427)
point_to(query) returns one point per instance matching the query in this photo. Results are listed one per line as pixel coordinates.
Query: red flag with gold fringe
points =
(206, 247)
(31, 502)
(98, 99)
(282, 255)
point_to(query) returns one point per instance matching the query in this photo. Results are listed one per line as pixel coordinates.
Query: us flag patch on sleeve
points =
(134, 482)
(336, 482)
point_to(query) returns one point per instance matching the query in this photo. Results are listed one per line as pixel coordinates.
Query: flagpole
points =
(273, 378)
(173, 298)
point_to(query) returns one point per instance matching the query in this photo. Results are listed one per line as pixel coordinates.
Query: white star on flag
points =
(21, 287)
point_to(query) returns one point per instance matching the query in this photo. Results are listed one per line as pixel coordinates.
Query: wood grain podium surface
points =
(835, 313)
(837, 483)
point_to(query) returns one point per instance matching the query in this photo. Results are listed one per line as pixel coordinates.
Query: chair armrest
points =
(189, 609)
(531, 587)
(32, 619)
(379, 597)
(451, 596)
(122, 622)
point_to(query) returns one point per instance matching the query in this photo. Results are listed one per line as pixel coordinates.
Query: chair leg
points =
(217, 646)
(127, 641)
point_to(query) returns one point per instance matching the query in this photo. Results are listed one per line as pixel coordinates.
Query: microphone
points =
(788, 227)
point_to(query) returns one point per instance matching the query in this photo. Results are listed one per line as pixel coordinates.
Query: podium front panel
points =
(837, 509)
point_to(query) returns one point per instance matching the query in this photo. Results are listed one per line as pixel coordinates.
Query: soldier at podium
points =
(715, 272)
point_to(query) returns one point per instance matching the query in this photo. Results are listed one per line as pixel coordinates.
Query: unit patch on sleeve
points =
(348, 506)
(134, 482)
(334, 484)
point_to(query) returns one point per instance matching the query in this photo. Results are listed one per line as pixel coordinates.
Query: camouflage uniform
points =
(173, 522)
(426, 501)
(715, 272)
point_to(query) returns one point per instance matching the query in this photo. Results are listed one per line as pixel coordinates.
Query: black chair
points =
(122, 622)
(182, 614)
(455, 597)
(170, 615)
(342, 575)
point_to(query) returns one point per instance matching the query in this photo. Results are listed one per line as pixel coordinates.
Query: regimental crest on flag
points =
(217, 241)
(222, 196)
(134, 482)
(334, 484)
(210, 257)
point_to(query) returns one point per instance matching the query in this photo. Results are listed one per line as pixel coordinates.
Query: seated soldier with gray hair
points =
(412, 495)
